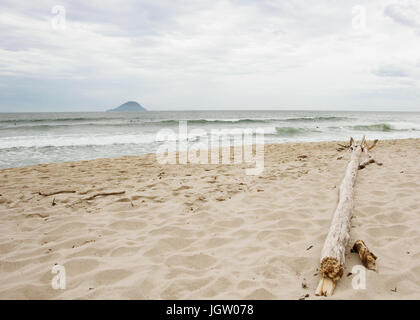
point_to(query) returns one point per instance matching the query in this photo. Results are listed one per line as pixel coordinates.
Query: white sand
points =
(207, 231)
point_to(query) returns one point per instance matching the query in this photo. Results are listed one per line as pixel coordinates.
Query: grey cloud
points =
(178, 54)
(407, 72)
(407, 14)
(391, 71)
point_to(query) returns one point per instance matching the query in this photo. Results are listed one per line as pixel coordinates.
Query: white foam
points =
(73, 140)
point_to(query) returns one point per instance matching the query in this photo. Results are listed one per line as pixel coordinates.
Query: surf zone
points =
(223, 146)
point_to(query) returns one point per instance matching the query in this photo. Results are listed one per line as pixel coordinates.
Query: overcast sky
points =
(193, 55)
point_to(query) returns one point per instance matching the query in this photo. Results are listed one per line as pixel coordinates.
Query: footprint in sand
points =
(163, 246)
(197, 261)
(233, 223)
(182, 188)
(125, 251)
(260, 294)
(179, 287)
(79, 266)
(109, 277)
(128, 225)
(217, 242)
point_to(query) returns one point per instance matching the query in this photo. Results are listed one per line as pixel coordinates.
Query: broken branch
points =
(372, 145)
(104, 194)
(367, 257)
(370, 159)
(47, 194)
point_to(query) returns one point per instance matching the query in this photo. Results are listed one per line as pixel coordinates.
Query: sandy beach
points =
(207, 231)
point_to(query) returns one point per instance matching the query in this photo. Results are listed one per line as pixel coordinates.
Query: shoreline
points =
(153, 154)
(207, 231)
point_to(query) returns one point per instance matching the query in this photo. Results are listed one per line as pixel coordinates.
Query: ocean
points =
(35, 138)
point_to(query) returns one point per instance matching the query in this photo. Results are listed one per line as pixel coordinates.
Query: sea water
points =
(34, 138)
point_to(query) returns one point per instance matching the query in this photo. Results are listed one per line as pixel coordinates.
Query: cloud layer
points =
(187, 54)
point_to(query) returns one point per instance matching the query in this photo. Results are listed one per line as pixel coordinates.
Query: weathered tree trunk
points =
(332, 256)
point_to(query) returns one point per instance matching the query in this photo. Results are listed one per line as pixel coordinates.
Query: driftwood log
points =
(332, 255)
(333, 251)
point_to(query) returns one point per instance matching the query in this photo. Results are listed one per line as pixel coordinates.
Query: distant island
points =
(128, 106)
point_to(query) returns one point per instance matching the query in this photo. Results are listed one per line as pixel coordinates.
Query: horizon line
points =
(205, 110)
